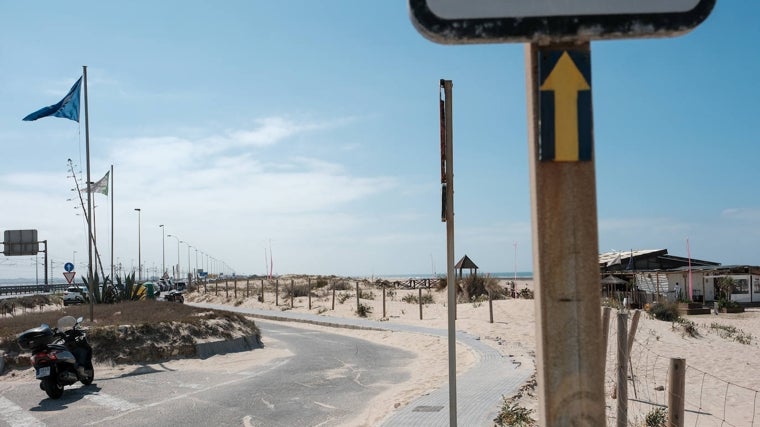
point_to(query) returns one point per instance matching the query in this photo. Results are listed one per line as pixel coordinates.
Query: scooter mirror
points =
(80, 319)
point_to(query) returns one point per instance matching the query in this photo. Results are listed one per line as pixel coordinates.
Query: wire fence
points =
(709, 400)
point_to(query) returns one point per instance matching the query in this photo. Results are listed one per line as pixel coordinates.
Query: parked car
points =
(75, 295)
(181, 286)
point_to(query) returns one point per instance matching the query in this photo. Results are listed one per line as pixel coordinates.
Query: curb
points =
(208, 349)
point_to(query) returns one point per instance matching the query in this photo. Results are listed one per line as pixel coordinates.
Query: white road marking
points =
(112, 402)
(15, 416)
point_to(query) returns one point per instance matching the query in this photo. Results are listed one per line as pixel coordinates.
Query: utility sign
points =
(565, 115)
(500, 21)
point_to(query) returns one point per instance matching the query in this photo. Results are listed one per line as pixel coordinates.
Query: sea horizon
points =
(402, 276)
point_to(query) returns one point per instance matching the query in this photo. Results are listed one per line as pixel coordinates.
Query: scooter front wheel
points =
(52, 388)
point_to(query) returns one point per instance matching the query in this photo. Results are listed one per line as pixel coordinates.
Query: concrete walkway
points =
(479, 389)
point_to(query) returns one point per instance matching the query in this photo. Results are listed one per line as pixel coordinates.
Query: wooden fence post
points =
(490, 305)
(383, 301)
(622, 369)
(262, 290)
(357, 297)
(277, 292)
(676, 390)
(605, 328)
(420, 300)
(309, 290)
(234, 284)
(292, 294)
(333, 301)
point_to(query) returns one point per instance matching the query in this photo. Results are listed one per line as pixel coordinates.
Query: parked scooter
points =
(61, 356)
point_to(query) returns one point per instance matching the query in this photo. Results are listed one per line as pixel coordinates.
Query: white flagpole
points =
(110, 193)
(89, 199)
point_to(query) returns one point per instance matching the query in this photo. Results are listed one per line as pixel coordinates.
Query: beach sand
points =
(721, 362)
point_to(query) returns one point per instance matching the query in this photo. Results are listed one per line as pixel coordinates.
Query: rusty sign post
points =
(569, 339)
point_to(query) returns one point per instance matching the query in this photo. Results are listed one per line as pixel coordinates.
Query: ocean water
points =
(497, 275)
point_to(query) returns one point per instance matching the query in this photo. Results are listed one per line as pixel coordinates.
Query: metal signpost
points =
(569, 349)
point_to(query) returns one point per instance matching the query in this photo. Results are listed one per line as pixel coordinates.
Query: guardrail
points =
(32, 289)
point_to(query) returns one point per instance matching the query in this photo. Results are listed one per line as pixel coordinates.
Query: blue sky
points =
(313, 127)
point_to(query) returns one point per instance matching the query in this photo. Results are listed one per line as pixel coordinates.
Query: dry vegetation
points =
(128, 332)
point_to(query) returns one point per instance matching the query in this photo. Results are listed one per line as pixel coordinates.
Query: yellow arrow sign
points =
(566, 81)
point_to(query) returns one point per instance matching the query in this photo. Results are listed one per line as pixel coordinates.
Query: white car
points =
(75, 295)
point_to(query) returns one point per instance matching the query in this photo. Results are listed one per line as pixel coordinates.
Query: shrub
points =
(343, 296)
(300, 290)
(342, 286)
(724, 303)
(525, 293)
(657, 417)
(664, 311)
(726, 284)
(366, 295)
(412, 298)
(363, 310)
(730, 332)
(511, 414)
(320, 283)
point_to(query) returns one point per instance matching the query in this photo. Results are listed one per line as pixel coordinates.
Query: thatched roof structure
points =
(466, 262)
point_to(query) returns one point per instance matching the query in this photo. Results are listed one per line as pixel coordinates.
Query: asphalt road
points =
(324, 380)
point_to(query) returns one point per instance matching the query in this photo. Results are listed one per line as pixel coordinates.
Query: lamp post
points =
(163, 250)
(196, 263)
(179, 275)
(139, 248)
(189, 271)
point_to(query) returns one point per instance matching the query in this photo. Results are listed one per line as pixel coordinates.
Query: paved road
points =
(325, 380)
(479, 390)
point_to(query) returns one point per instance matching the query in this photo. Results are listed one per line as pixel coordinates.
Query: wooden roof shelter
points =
(466, 262)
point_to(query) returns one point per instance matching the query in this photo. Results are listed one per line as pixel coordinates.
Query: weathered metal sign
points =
(499, 21)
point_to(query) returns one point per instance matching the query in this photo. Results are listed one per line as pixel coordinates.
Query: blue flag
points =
(67, 108)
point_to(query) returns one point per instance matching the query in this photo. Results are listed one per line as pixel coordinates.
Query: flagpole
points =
(688, 253)
(89, 198)
(110, 190)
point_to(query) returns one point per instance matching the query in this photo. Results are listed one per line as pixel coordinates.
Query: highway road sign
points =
(499, 21)
(68, 266)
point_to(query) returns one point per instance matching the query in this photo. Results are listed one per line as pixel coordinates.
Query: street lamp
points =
(172, 235)
(196, 262)
(189, 271)
(139, 248)
(163, 250)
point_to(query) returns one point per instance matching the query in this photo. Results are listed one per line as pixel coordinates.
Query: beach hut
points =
(467, 263)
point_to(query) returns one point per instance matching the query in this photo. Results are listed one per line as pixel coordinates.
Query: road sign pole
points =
(569, 351)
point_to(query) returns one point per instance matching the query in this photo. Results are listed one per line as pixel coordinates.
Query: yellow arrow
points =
(566, 81)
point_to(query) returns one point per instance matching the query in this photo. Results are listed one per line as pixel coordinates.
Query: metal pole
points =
(179, 274)
(110, 194)
(163, 250)
(139, 246)
(89, 196)
(450, 272)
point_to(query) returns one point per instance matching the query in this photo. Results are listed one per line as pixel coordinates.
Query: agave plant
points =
(131, 290)
(95, 288)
